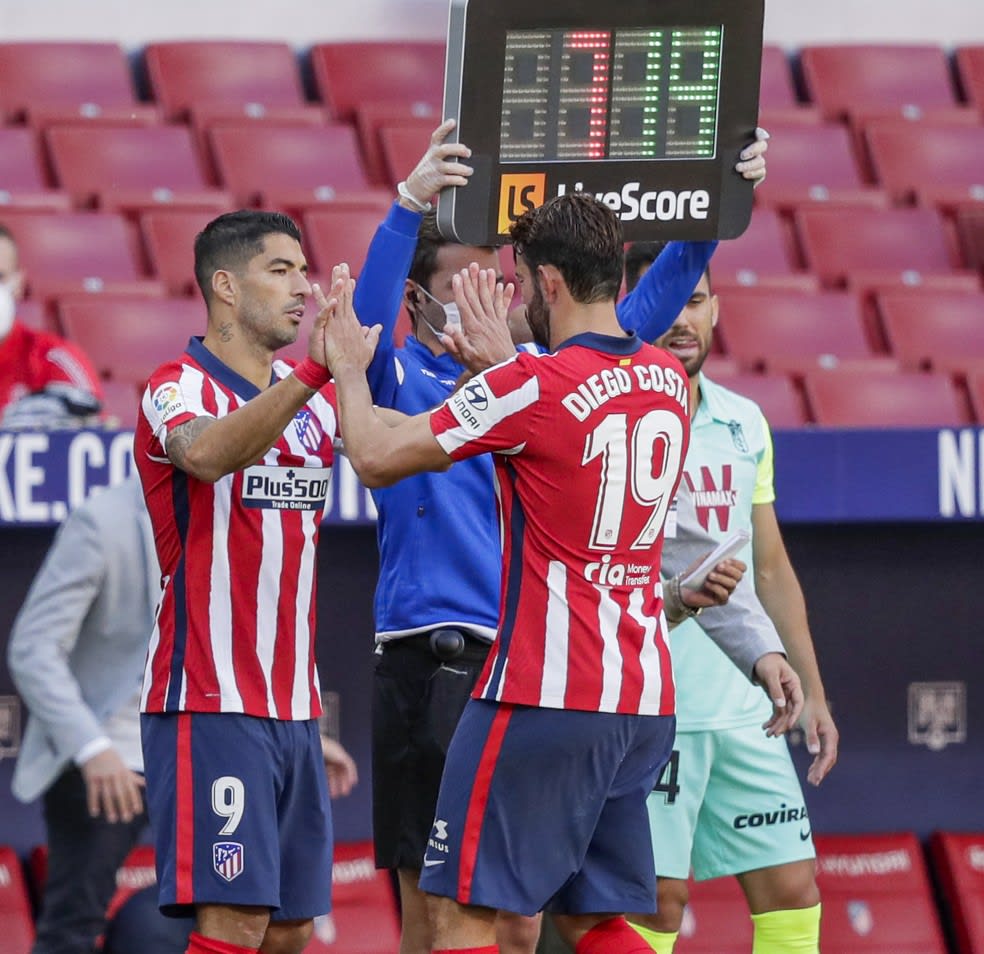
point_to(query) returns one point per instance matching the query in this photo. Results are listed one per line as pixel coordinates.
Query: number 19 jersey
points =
(589, 445)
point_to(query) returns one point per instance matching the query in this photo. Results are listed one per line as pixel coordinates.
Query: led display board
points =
(645, 103)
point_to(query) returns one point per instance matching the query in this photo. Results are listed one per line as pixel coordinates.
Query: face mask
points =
(8, 308)
(451, 314)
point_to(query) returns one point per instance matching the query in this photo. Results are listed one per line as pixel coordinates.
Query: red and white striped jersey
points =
(235, 631)
(590, 442)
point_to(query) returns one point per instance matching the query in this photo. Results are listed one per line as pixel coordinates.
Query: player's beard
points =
(538, 318)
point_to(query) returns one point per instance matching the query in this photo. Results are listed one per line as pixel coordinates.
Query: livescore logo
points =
(521, 192)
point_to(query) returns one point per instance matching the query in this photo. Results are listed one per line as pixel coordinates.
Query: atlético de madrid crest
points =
(227, 859)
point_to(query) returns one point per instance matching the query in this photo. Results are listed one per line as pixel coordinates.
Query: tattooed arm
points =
(209, 449)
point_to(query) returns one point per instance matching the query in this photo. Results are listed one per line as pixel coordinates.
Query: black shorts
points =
(417, 701)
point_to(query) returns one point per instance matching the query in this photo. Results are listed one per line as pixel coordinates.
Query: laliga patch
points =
(286, 488)
(168, 402)
(228, 859)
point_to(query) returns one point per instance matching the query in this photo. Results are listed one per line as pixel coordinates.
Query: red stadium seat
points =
(861, 117)
(763, 251)
(970, 231)
(128, 339)
(936, 163)
(892, 241)
(776, 394)
(364, 917)
(63, 74)
(297, 164)
(790, 281)
(970, 66)
(131, 166)
(958, 860)
(794, 331)
(121, 401)
(943, 331)
(852, 398)
(876, 895)
(371, 117)
(79, 252)
(169, 239)
(23, 183)
(842, 77)
(332, 236)
(403, 144)
(16, 922)
(349, 74)
(975, 391)
(776, 89)
(183, 74)
(92, 114)
(813, 164)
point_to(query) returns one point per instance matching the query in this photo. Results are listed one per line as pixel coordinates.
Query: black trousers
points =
(83, 856)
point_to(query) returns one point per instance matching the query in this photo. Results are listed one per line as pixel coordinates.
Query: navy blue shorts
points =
(240, 813)
(545, 809)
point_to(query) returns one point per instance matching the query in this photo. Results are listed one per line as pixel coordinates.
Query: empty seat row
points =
(122, 167)
(854, 396)
(180, 74)
(95, 77)
(116, 166)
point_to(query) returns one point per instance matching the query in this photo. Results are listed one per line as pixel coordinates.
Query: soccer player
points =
(437, 598)
(542, 804)
(234, 450)
(724, 770)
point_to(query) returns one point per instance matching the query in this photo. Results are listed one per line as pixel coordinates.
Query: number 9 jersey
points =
(589, 444)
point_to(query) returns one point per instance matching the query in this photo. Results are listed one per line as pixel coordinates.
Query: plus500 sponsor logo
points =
(631, 203)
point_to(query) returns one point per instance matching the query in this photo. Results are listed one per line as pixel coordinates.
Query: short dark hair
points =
(578, 235)
(231, 240)
(637, 257)
(429, 242)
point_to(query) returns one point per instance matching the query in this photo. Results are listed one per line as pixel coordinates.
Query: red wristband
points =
(311, 374)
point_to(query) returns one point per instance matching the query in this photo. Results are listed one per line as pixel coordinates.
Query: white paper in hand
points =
(726, 548)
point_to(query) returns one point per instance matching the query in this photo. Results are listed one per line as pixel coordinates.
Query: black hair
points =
(231, 240)
(578, 235)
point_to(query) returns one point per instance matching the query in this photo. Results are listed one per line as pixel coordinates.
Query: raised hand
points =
(483, 303)
(347, 343)
(752, 164)
(437, 168)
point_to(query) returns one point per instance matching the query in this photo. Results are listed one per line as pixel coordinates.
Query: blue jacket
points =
(438, 533)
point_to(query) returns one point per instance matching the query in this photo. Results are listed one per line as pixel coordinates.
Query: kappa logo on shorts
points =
(228, 859)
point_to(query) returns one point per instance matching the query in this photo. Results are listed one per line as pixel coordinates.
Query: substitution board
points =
(645, 103)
